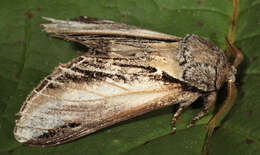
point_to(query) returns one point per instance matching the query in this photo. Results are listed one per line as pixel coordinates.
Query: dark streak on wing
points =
(147, 68)
(90, 75)
(52, 86)
(62, 79)
(58, 131)
(99, 64)
(40, 87)
(106, 37)
(76, 78)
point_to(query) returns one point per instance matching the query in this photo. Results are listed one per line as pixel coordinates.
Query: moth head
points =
(229, 76)
(205, 66)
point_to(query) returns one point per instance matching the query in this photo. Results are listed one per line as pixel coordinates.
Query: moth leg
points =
(208, 103)
(178, 113)
(230, 100)
(235, 52)
(223, 111)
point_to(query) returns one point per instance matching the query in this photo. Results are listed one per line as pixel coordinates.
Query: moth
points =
(129, 71)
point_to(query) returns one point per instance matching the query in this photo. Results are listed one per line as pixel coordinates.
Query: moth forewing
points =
(90, 93)
(138, 71)
(92, 26)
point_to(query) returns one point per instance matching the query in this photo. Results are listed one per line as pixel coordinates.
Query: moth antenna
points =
(216, 120)
(235, 52)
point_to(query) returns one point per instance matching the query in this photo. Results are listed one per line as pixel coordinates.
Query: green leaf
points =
(27, 55)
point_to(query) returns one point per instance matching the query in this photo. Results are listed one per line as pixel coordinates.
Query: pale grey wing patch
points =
(78, 98)
(109, 36)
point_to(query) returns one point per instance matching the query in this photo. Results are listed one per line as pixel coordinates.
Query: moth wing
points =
(90, 93)
(109, 36)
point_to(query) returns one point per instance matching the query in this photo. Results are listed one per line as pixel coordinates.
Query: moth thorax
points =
(204, 65)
